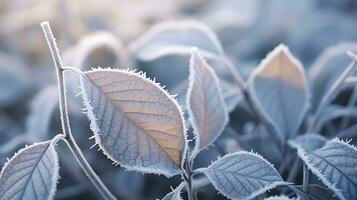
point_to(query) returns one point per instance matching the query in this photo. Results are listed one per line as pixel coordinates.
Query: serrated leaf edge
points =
(256, 193)
(318, 172)
(54, 178)
(195, 52)
(95, 129)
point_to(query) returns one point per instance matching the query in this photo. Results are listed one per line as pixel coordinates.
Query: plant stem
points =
(305, 178)
(332, 92)
(71, 143)
(257, 114)
(187, 175)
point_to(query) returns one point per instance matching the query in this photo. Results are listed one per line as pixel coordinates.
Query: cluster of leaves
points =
(140, 126)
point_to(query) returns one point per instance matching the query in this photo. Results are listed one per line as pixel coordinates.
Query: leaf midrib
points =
(130, 120)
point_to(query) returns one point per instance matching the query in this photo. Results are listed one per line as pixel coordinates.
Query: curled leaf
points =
(335, 164)
(242, 175)
(31, 174)
(206, 107)
(176, 38)
(135, 122)
(280, 89)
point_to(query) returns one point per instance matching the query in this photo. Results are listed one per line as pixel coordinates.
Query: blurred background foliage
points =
(248, 30)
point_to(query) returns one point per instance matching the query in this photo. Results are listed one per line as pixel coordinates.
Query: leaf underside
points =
(335, 164)
(207, 111)
(135, 122)
(242, 175)
(31, 174)
(280, 89)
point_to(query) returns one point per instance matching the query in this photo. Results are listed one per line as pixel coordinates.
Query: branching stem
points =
(68, 137)
(305, 178)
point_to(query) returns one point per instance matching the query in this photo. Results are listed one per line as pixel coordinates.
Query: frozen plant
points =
(138, 125)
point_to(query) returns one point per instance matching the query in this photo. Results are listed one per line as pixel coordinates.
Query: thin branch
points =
(257, 114)
(333, 91)
(306, 178)
(69, 139)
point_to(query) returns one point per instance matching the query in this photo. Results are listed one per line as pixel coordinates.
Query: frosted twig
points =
(69, 139)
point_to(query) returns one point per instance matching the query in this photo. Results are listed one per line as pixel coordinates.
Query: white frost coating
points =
(173, 38)
(122, 133)
(23, 177)
(268, 77)
(254, 175)
(281, 197)
(207, 110)
(339, 173)
(176, 193)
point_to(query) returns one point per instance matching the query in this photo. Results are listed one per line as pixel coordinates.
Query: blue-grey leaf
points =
(335, 164)
(206, 107)
(327, 68)
(308, 142)
(176, 193)
(135, 122)
(242, 175)
(97, 49)
(280, 89)
(176, 38)
(31, 174)
(42, 108)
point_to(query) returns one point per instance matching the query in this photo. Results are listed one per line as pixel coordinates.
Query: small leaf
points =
(308, 142)
(135, 122)
(335, 164)
(315, 192)
(206, 107)
(31, 174)
(176, 38)
(242, 175)
(280, 88)
(176, 193)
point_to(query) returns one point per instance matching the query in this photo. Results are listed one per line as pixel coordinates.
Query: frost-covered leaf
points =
(308, 142)
(176, 38)
(31, 174)
(42, 107)
(242, 175)
(281, 197)
(135, 122)
(97, 49)
(314, 192)
(335, 164)
(176, 193)
(327, 68)
(280, 88)
(206, 107)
